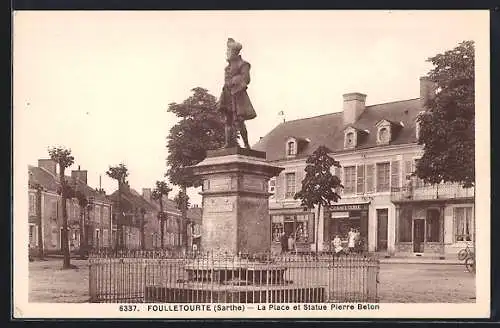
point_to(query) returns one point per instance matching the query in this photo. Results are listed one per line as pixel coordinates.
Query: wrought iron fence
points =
(167, 276)
(431, 192)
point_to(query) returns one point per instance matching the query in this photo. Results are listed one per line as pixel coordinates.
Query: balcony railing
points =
(442, 191)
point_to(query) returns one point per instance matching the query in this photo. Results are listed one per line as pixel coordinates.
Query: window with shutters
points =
(370, 172)
(54, 210)
(383, 176)
(105, 215)
(361, 179)
(349, 179)
(32, 235)
(97, 214)
(463, 223)
(395, 183)
(290, 185)
(32, 206)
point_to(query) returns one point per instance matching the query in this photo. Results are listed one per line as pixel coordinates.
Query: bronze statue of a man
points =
(234, 102)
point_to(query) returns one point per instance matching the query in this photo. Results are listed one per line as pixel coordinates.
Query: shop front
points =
(295, 223)
(420, 228)
(340, 219)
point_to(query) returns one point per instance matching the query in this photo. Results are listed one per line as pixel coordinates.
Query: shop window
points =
(383, 176)
(272, 186)
(295, 225)
(405, 225)
(433, 227)
(349, 179)
(276, 231)
(463, 223)
(290, 185)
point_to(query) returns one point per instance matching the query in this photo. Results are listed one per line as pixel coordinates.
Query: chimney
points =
(354, 105)
(79, 175)
(427, 90)
(48, 165)
(146, 193)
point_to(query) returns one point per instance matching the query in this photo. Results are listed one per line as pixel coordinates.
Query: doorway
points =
(418, 235)
(382, 215)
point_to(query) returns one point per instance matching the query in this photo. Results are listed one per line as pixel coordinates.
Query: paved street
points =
(426, 283)
(408, 283)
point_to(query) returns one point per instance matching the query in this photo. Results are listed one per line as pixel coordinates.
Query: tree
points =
(182, 204)
(82, 205)
(447, 126)
(201, 128)
(120, 174)
(319, 185)
(161, 189)
(64, 159)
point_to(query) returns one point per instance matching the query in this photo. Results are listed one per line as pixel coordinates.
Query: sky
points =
(100, 83)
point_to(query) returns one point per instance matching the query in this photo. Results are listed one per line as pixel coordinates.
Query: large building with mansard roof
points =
(395, 212)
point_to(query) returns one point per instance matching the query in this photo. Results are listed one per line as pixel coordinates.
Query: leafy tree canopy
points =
(319, 185)
(160, 190)
(118, 173)
(181, 200)
(201, 128)
(61, 156)
(447, 126)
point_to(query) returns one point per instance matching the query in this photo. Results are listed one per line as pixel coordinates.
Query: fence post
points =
(92, 291)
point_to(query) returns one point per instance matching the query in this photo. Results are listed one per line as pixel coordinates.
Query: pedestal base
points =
(235, 201)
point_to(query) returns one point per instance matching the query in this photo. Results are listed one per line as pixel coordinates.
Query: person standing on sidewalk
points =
(351, 240)
(284, 243)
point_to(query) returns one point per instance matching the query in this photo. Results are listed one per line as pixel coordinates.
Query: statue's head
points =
(233, 48)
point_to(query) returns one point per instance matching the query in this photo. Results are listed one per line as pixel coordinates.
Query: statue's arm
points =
(240, 82)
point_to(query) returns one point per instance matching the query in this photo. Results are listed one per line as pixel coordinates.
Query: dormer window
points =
(349, 140)
(291, 147)
(386, 131)
(353, 137)
(383, 135)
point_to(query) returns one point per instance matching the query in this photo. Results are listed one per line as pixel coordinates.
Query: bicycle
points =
(467, 255)
(470, 264)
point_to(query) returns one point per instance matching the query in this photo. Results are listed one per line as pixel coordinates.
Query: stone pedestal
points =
(235, 200)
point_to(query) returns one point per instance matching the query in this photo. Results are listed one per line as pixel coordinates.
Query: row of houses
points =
(395, 212)
(94, 222)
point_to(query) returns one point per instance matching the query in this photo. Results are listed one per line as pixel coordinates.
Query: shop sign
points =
(349, 207)
(340, 215)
